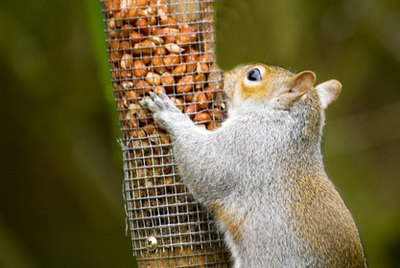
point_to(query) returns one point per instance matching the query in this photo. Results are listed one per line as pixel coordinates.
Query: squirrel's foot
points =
(165, 112)
(159, 103)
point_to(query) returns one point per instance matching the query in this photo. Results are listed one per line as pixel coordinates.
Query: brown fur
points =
(230, 220)
(321, 217)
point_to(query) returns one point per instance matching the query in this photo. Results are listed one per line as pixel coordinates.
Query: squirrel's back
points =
(324, 224)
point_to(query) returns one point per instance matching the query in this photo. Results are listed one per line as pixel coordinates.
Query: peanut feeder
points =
(164, 46)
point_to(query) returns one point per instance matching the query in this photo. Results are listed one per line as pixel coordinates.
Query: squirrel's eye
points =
(254, 75)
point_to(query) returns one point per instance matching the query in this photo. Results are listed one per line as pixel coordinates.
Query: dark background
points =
(61, 173)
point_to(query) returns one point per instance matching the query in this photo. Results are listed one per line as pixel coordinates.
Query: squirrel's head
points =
(279, 87)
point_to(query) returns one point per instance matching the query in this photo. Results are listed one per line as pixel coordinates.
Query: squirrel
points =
(261, 173)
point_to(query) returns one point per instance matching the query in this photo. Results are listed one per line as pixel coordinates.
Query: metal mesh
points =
(164, 46)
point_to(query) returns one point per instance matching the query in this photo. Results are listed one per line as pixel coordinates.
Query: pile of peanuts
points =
(151, 49)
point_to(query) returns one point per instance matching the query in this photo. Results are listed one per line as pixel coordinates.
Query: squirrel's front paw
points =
(160, 103)
(165, 112)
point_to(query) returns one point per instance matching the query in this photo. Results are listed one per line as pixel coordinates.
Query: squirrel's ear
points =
(303, 82)
(328, 92)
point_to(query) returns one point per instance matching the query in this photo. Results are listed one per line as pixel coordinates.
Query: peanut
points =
(171, 60)
(141, 3)
(142, 12)
(140, 69)
(142, 87)
(142, 26)
(201, 100)
(188, 35)
(126, 61)
(191, 109)
(199, 80)
(169, 34)
(160, 51)
(167, 79)
(201, 117)
(179, 70)
(153, 79)
(157, 64)
(112, 5)
(211, 92)
(174, 48)
(156, 40)
(213, 125)
(136, 37)
(159, 90)
(168, 21)
(191, 60)
(146, 59)
(132, 13)
(178, 103)
(144, 48)
(185, 84)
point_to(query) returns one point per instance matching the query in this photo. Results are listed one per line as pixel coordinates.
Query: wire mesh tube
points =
(164, 46)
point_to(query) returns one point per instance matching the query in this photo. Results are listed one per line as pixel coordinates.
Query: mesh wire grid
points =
(164, 46)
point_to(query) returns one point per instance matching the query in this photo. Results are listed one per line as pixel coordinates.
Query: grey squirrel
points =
(261, 174)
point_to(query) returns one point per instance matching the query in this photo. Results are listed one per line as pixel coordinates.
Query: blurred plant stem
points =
(98, 37)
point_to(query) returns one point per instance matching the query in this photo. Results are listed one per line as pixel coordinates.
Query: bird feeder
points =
(164, 46)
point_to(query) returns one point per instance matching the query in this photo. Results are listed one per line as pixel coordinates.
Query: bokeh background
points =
(61, 172)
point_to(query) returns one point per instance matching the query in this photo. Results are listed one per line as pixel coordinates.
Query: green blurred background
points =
(61, 172)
